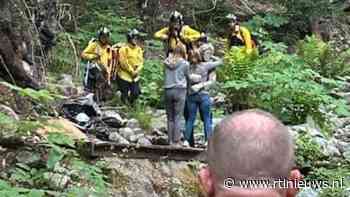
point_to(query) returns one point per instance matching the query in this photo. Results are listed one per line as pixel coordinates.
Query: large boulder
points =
(116, 137)
(136, 178)
(62, 126)
(113, 119)
(9, 112)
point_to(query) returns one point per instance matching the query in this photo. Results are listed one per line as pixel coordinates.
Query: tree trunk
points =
(26, 36)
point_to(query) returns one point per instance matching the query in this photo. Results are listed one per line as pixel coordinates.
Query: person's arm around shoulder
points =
(162, 34)
(216, 61)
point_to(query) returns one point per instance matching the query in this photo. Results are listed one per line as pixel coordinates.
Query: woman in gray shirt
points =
(198, 96)
(175, 83)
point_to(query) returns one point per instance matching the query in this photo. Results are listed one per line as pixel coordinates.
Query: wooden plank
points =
(154, 152)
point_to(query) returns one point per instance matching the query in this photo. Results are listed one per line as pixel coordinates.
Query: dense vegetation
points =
(292, 84)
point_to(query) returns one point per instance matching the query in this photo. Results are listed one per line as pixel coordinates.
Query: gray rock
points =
(159, 112)
(143, 141)
(66, 80)
(346, 155)
(135, 138)
(159, 123)
(322, 142)
(68, 91)
(67, 86)
(82, 118)
(346, 192)
(343, 146)
(133, 124)
(308, 192)
(160, 140)
(116, 137)
(126, 133)
(29, 158)
(157, 133)
(145, 178)
(89, 101)
(8, 111)
(138, 131)
(332, 151)
(57, 181)
(345, 95)
(113, 119)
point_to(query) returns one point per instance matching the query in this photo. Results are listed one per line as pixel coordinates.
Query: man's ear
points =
(294, 177)
(206, 181)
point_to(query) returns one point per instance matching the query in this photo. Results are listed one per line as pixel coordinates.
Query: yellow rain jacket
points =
(187, 35)
(245, 36)
(131, 62)
(94, 50)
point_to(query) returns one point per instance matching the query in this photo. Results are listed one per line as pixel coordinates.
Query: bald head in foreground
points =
(250, 145)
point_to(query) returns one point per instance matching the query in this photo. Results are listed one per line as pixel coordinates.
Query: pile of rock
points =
(335, 146)
(109, 125)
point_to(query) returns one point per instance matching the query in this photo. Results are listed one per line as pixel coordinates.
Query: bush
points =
(152, 83)
(308, 151)
(61, 160)
(322, 58)
(280, 83)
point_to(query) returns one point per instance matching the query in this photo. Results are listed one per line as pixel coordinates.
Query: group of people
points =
(264, 150)
(189, 71)
(122, 63)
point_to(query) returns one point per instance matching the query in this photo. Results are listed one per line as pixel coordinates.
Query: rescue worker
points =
(131, 63)
(240, 36)
(97, 55)
(177, 32)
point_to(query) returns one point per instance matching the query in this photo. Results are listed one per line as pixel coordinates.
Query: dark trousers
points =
(130, 91)
(193, 103)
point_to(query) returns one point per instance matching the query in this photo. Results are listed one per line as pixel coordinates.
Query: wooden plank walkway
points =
(133, 151)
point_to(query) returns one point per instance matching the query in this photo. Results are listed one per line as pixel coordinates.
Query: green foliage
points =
(279, 83)
(300, 14)
(308, 151)
(258, 25)
(59, 139)
(140, 114)
(10, 127)
(41, 96)
(91, 176)
(6, 190)
(322, 58)
(62, 160)
(238, 64)
(338, 180)
(65, 58)
(313, 50)
(152, 83)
